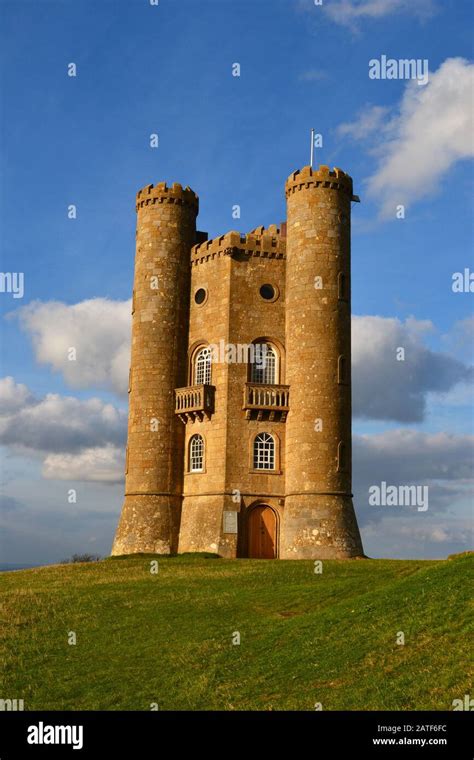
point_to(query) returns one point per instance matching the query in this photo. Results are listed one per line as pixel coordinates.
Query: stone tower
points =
(166, 231)
(319, 518)
(225, 454)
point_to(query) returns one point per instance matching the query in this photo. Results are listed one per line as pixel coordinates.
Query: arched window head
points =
(264, 452)
(196, 453)
(264, 364)
(202, 366)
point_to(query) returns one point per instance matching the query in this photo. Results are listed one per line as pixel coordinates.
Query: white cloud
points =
(460, 338)
(404, 456)
(63, 423)
(369, 120)
(98, 330)
(13, 396)
(98, 464)
(417, 537)
(349, 12)
(385, 388)
(417, 146)
(77, 439)
(438, 534)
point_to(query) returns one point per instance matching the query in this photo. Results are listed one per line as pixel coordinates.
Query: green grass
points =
(305, 638)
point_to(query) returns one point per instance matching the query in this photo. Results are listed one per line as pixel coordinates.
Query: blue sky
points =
(84, 140)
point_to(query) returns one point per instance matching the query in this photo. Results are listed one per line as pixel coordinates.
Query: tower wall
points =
(231, 269)
(166, 231)
(253, 318)
(319, 520)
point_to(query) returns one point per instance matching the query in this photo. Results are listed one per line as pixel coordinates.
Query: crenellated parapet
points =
(161, 193)
(267, 243)
(334, 179)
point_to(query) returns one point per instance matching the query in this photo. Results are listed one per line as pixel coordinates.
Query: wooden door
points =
(262, 533)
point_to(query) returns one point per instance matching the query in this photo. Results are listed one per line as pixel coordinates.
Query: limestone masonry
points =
(239, 432)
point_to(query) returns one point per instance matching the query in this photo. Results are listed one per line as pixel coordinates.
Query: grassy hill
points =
(305, 637)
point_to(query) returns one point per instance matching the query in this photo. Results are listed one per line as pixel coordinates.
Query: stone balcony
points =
(194, 402)
(263, 401)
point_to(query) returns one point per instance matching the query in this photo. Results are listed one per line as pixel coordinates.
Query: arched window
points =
(196, 453)
(341, 370)
(202, 367)
(264, 452)
(264, 364)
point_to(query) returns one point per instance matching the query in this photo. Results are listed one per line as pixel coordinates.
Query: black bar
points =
(156, 734)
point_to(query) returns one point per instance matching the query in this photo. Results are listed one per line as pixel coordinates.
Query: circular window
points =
(200, 296)
(269, 292)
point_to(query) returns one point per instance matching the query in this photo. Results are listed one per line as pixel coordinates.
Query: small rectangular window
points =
(342, 287)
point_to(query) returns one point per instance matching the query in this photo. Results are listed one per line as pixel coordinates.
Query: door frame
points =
(248, 512)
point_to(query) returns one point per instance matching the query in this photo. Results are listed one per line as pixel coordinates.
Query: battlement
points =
(335, 179)
(267, 243)
(161, 193)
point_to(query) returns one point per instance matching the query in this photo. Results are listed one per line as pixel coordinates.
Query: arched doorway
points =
(262, 533)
